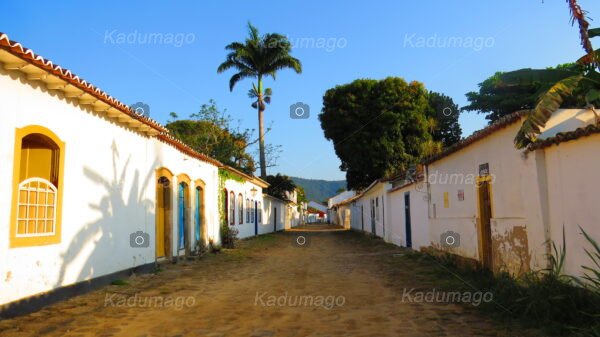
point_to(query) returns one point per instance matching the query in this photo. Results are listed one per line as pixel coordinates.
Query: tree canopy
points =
(280, 185)
(210, 132)
(444, 114)
(504, 93)
(378, 128)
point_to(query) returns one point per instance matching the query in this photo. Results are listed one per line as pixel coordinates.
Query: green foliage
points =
(257, 57)
(592, 273)
(319, 189)
(539, 299)
(504, 93)
(579, 82)
(443, 113)
(279, 185)
(377, 127)
(210, 132)
(228, 236)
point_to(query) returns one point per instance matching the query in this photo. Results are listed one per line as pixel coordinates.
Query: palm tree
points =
(580, 79)
(259, 57)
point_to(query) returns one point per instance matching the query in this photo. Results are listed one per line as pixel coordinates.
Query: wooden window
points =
(241, 208)
(259, 212)
(232, 208)
(37, 187)
(248, 210)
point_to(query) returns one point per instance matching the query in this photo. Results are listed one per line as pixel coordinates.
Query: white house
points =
(91, 190)
(242, 202)
(407, 213)
(500, 206)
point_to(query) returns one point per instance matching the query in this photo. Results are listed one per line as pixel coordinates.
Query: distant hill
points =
(319, 190)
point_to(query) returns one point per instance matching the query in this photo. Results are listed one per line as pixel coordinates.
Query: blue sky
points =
(350, 40)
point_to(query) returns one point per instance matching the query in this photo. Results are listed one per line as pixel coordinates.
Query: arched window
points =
(248, 208)
(38, 168)
(252, 207)
(259, 212)
(241, 208)
(231, 208)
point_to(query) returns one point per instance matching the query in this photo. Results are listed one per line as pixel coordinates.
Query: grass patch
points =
(540, 300)
(119, 283)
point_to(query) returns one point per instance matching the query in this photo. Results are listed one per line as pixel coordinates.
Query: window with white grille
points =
(36, 208)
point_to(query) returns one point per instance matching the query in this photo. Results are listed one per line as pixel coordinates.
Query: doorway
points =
(256, 218)
(407, 220)
(200, 236)
(484, 193)
(274, 219)
(373, 217)
(163, 217)
(183, 206)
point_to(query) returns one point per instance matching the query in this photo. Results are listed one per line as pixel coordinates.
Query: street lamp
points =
(253, 191)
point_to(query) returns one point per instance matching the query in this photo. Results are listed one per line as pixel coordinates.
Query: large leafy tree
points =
(280, 185)
(378, 128)
(496, 98)
(567, 84)
(443, 114)
(210, 132)
(258, 57)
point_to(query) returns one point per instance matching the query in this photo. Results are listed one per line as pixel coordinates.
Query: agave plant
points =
(581, 79)
(258, 57)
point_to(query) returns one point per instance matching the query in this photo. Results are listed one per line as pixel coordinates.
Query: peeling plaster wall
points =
(108, 192)
(516, 205)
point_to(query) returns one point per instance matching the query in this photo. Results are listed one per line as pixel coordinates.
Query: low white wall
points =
(573, 187)
(418, 217)
(246, 228)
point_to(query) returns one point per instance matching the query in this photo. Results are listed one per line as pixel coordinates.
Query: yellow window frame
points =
(14, 240)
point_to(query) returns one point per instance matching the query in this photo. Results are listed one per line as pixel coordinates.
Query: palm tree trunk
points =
(261, 144)
(261, 131)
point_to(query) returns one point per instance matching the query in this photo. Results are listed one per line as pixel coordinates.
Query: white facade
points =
(109, 191)
(372, 201)
(247, 204)
(274, 214)
(408, 204)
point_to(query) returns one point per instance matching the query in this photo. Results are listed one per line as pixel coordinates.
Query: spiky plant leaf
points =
(547, 104)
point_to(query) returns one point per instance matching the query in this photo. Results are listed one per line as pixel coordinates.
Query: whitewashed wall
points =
(268, 218)
(109, 192)
(573, 189)
(418, 213)
(246, 229)
(377, 191)
(516, 224)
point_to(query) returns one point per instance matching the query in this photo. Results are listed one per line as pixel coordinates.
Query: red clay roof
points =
(26, 54)
(562, 137)
(478, 135)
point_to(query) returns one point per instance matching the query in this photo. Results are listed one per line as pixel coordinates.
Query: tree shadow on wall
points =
(103, 246)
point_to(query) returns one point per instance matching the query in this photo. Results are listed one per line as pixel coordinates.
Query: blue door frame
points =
(181, 217)
(256, 218)
(198, 215)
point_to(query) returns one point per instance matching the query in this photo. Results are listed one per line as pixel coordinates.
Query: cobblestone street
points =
(267, 287)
